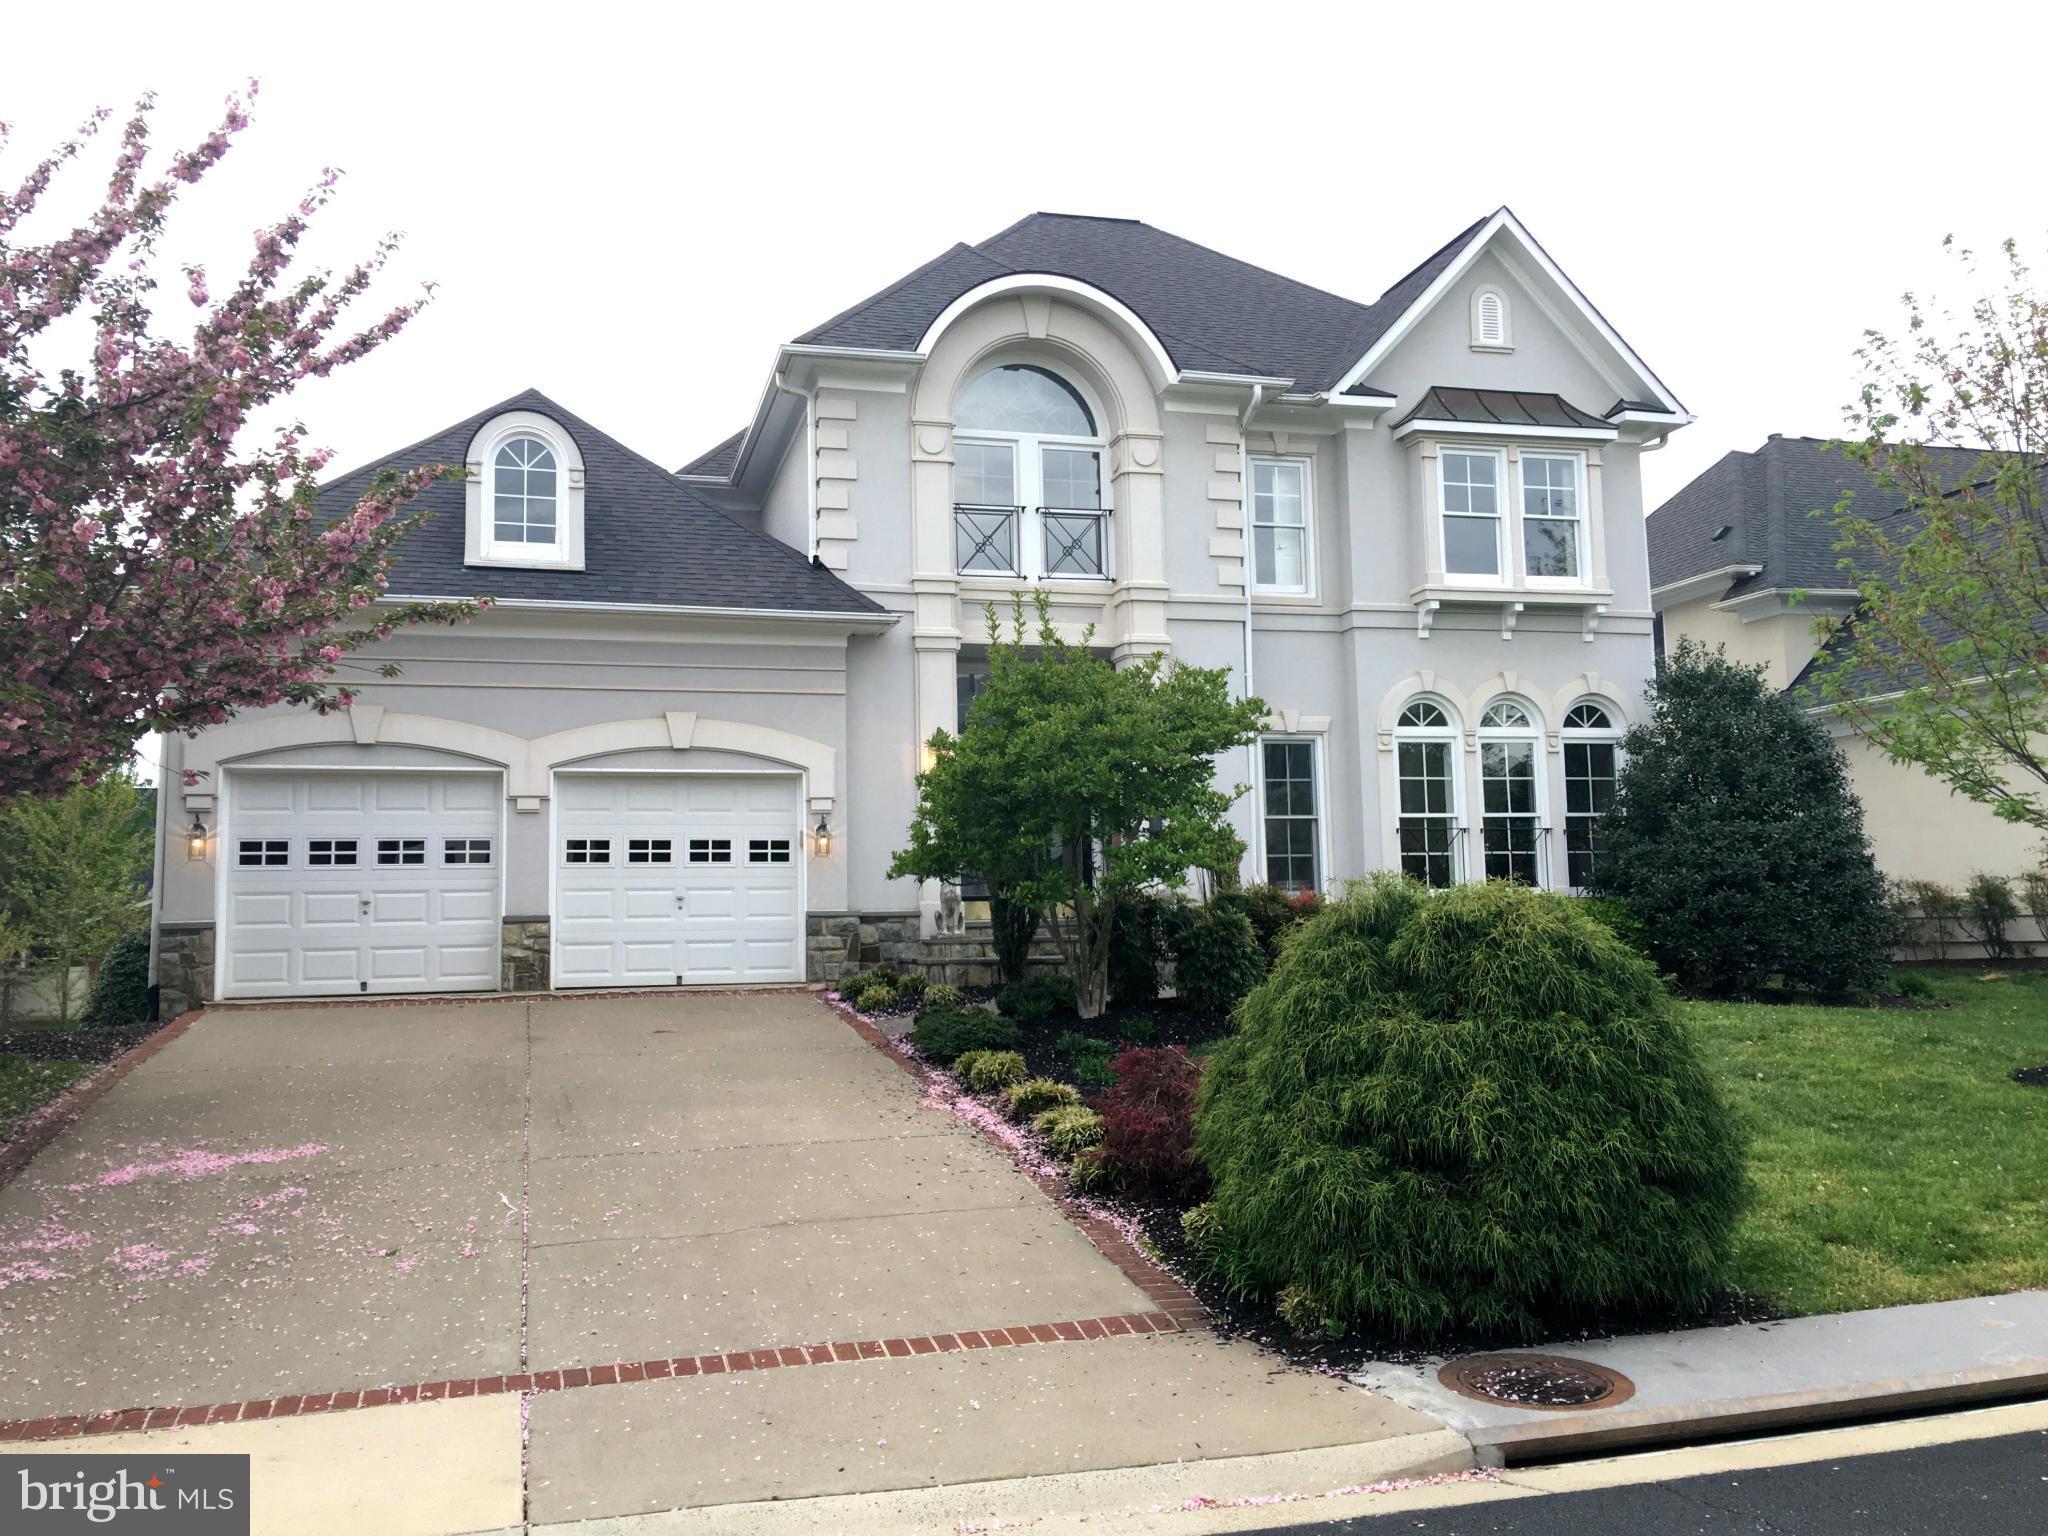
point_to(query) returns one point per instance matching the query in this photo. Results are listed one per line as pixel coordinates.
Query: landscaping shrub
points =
(1217, 959)
(120, 993)
(1034, 1096)
(1037, 997)
(1473, 1108)
(1273, 911)
(1619, 920)
(1147, 1117)
(1735, 836)
(1928, 913)
(989, 1071)
(876, 997)
(944, 1035)
(1091, 1171)
(1139, 948)
(1069, 1131)
(1913, 985)
(1989, 911)
(1090, 1057)
(911, 986)
(1136, 1029)
(939, 995)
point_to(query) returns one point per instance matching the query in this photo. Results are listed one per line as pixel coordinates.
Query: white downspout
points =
(810, 400)
(1244, 483)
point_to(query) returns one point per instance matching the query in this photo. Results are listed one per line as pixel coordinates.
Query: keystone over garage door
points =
(665, 879)
(351, 882)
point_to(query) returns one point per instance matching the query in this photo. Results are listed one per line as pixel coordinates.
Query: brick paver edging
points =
(1158, 1283)
(61, 1113)
(126, 1420)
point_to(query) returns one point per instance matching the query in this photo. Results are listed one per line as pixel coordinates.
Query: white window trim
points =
(1318, 782)
(1453, 736)
(1506, 343)
(479, 547)
(1506, 492)
(1308, 526)
(1580, 497)
(1028, 466)
(1530, 735)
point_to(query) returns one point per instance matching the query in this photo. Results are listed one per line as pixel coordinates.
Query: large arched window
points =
(1027, 477)
(1511, 828)
(1425, 770)
(525, 494)
(1592, 754)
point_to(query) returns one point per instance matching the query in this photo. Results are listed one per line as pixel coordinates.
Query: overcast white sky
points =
(631, 211)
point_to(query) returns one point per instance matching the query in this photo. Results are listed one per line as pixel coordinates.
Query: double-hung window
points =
(1028, 488)
(1469, 481)
(1281, 536)
(1292, 834)
(1425, 768)
(1553, 540)
(1510, 823)
(1591, 761)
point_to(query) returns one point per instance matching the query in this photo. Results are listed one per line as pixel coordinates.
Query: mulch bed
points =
(1170, 1023)
(97, 1045)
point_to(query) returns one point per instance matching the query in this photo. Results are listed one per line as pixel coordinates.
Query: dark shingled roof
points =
(718, 462)
(1769, 499)
(1213, 313)
(647, 538)
(1502, 407)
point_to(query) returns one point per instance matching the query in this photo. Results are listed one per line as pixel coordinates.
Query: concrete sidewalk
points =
(1701, 1382)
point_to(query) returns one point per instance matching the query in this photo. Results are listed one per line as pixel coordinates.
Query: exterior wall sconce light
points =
(195, 838)
(824, 837)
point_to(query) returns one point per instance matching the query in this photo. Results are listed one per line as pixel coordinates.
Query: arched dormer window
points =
(1511, 829)
(1426, 781)
(1028, 490)
(1591, 744)
(525, 495)
(1490, 330)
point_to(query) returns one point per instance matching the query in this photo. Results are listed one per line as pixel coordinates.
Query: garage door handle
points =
(679, 898)
(364, 903)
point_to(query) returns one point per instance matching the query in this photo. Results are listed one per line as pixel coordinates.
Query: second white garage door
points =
(674, 879)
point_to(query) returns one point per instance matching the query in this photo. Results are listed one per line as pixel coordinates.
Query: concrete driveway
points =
(292, 1201)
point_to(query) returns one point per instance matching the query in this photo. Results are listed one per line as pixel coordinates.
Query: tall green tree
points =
(72, 872)
(1944, 664)
(1075, 784)
(1735, 837)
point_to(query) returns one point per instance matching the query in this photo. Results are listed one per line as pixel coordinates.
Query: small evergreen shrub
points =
(938, 995)
(1913, 985)
(120, 993)
(852, 986)
(1217, 959)
(1136, 1029)
(1033, 1097)
(1474, 1108)
(1148, 1117)
(1091, 1172)
(1069, 1131)
(911, 986)
(1089, 1056)
(1616, 917)
(989, 1071)
(1138, 948)
(944, 1035)
(1037, 997)
(876, 997)
(1273, 911)
(1735, 836)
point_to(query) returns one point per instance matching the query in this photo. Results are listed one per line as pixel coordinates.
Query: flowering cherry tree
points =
(157, 574)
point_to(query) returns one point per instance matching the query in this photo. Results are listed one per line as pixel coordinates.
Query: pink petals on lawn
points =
(198, 1163)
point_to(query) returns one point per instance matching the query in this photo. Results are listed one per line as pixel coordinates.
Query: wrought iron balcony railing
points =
(985, 539)
(1074, 539)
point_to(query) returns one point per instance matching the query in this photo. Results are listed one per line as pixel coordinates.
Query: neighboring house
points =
(680, 747)
(1744, 556)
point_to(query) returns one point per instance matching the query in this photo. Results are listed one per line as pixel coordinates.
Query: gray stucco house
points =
(679, 749)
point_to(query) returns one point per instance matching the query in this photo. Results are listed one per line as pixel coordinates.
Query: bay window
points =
(1280, 525)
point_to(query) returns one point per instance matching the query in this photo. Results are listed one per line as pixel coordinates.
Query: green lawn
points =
(1895, 1160)
(27, 1085)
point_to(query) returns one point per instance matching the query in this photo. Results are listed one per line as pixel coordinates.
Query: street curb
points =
(1686, 1423)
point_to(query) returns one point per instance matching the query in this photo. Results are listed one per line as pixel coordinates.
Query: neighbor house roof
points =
(1213, 313)
(1773, 510)
(1502, 407)
(647, 538)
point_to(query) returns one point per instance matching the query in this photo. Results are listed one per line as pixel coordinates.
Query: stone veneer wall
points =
(837, 944)
(523, 960)
(184, 968)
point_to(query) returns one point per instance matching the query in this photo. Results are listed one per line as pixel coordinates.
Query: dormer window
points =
(1490, 321)
(525, 495)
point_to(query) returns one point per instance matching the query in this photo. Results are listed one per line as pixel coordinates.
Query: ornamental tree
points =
(158, 569)
(1944, 664)
(1735, 837)
(1078, 784)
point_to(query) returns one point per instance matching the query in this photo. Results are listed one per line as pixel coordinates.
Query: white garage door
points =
(670, 879)
(360, 883)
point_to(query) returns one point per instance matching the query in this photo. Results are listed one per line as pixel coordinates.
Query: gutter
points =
(1244, 481)
(860, 620)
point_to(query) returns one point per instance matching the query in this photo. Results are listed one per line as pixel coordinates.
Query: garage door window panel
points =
(401, 850)
(263, 853)
(465, 850)
(710, 850)
(588, 850)
(649, 850)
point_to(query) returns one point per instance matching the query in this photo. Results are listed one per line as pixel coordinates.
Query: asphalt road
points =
(1993, 1487)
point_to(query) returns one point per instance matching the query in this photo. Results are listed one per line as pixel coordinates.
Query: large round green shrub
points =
(1465, 1109)
(1217, 959)
(120, 993)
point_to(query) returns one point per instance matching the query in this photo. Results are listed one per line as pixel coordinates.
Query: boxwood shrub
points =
(120, 993)
(946, 1034)
(1473, 1108)
(1217, 958)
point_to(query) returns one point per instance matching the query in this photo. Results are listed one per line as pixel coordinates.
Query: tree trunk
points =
(1014, 928)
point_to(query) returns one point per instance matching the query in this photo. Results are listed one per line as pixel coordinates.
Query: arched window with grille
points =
(1592, 760)
(1028, 489)
(1425, 770)
(1511, 823)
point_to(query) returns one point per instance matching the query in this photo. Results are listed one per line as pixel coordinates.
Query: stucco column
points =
(1136, 611)
(935, 606)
